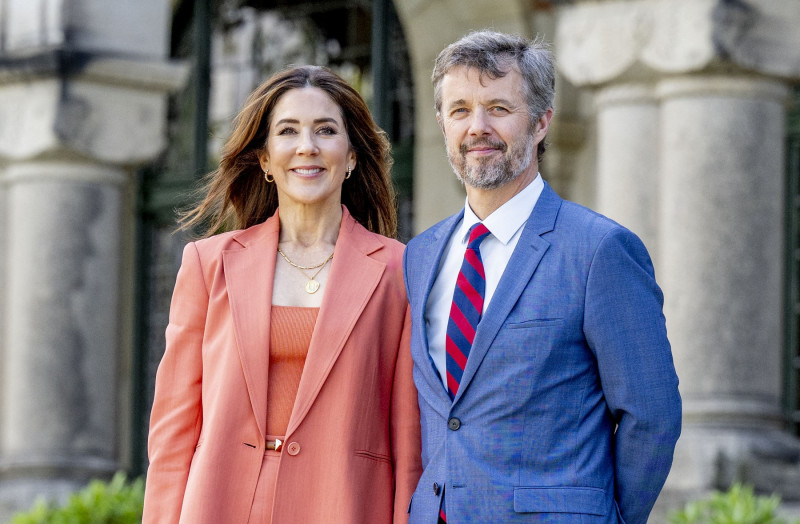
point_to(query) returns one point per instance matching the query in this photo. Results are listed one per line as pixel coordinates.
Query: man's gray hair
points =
(492, 53)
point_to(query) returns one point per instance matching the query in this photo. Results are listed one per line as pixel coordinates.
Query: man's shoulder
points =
(584, 230)
(433, 233)
(574, 217)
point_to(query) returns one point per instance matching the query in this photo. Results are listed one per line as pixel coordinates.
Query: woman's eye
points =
(327, 130)
(286, 131)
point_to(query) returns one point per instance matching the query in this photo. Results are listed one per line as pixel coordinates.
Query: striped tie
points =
(465, 312)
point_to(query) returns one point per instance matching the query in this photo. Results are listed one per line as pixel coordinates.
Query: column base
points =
(21, 494)
(23, 482)
(710, 457)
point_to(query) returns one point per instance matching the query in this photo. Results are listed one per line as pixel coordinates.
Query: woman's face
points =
(308, 151)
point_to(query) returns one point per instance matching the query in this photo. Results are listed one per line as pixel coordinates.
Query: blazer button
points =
(293, 448)
(453, 424)
(436, 489)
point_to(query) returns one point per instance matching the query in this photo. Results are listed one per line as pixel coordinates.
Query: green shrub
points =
(114, 502)
(736, 506)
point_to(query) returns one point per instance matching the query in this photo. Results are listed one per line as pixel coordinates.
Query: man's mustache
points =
(482, 142)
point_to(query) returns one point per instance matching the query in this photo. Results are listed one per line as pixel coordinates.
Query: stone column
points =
(627, 159)
(61, 383)
(710, 132)
(722, 198)
(82, 103)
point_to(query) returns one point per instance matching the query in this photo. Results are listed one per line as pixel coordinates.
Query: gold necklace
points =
(312, 285)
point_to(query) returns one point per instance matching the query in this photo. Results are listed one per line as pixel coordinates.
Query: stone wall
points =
(82, 102)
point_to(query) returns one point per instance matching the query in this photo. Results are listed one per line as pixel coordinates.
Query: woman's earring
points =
(267, 177)
(349, 172)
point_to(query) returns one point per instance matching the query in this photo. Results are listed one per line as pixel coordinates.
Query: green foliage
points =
(736, 506)
(114, 502)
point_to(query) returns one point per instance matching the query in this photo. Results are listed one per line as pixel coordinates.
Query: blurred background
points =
(677, 118)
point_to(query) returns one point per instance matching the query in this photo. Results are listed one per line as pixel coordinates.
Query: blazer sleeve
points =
(176, 417)
(625, 327)
(405, 427)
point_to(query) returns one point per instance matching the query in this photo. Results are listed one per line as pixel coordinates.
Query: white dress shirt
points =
(505, 224)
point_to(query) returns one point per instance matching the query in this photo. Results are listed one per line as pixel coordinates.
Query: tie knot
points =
(476, 235)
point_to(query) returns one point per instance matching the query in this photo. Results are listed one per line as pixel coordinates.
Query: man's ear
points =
(543, 123)
(439, 121)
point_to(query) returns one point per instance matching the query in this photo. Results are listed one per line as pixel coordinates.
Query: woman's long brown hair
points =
(236, 196)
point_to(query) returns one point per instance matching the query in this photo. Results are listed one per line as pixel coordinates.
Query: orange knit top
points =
(290, 336)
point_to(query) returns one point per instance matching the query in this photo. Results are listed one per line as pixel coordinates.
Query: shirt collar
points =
(508, 218)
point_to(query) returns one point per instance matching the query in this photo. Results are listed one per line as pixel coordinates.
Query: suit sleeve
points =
(625, 327)
(405, 427)
(176, 417)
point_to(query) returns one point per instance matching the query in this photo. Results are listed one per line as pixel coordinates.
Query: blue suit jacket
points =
(568, 410)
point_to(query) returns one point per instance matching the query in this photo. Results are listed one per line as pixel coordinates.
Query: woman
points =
(285, 393)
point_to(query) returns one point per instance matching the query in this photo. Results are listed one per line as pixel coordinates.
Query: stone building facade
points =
(83, 89)
(670, 118)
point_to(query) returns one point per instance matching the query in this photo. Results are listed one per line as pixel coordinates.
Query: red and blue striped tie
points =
(466, 310)
(465, 313)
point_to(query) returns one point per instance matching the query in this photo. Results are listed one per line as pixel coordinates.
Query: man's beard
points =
(490, 173)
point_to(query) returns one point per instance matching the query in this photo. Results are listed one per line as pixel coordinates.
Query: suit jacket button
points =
(436, 489)
(453, 423)
(293, 448)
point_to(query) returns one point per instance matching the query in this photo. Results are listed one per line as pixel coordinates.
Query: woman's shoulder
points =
(377, 245)
(391, 249)
(215, 243)
(237, 238)
(392, 244)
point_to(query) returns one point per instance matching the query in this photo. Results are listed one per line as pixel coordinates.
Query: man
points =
(546, 384)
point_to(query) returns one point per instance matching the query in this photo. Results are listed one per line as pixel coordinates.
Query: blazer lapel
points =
(353, 278)
(524, 261)
(427, 260)
(249, 274)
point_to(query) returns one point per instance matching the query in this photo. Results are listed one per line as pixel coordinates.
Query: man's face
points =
(488, 131)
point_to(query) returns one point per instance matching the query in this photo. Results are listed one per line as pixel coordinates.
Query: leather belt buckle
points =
(276, 444)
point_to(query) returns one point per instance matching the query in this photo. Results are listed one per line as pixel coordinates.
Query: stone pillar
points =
(62, 343)
(627, 159)
(568, 163)
(692, 94)
(82, 103)
(723, 190)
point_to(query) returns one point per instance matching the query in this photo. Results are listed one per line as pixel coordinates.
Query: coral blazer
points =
(352, 443)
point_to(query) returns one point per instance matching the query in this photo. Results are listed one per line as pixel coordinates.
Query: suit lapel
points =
(427, 263)
(249, 273)
(526, 257)
(353, 278)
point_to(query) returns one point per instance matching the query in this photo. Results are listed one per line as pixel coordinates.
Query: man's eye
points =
(499, 109)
